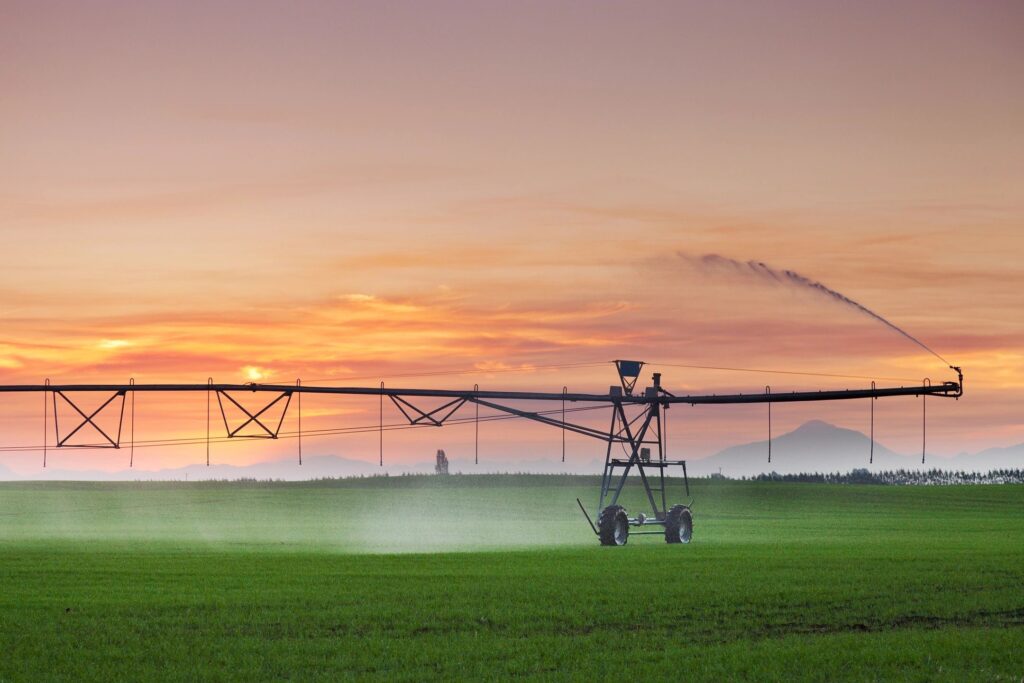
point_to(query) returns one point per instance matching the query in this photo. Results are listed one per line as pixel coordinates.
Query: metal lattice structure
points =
(636, 424)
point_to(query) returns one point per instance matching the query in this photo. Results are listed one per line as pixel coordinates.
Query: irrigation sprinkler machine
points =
(636, 436)
(637, 426)
(645, 431)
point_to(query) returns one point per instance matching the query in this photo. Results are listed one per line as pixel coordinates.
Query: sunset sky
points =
(351, 191)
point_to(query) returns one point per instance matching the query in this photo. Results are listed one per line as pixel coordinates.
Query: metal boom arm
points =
(637, 424)
(652, 401)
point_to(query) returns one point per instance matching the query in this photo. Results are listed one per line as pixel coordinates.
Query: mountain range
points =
(818, 446)
(815, 446)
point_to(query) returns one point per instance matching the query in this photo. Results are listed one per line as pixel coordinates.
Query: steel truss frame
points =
(636, 435)
(650, 420)
(254, 418)
(109, 442)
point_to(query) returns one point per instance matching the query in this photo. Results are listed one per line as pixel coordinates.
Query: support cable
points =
(768, 391)
(56, 420)
(131, 450)
(871, 458)
(665, 427)
(924, 419)
(777, 372)
(298, 383)
(564, 391)
(660, 431)
(381, 423)
(476, 428)
(660, 412)
(45, 410)
(209, 383)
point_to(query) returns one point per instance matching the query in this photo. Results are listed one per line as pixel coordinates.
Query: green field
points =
(495, 577)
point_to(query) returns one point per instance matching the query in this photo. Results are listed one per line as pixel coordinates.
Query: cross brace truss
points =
(268, 430)
(89, 419)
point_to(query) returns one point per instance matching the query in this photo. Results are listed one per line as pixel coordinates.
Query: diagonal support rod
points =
(578, 429)
(634, 457)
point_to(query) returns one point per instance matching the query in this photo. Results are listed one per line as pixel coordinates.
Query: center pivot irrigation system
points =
(637, 426)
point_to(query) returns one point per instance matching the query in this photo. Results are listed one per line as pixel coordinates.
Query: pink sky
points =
(323, 190)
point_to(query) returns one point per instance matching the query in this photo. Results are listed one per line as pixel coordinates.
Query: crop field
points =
(493, 577)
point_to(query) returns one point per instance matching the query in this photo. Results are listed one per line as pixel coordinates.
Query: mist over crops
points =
(397, 514)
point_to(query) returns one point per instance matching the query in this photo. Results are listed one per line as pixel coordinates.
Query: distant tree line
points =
(900, 477)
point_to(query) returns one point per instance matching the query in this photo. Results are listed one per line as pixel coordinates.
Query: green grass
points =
(498, 577)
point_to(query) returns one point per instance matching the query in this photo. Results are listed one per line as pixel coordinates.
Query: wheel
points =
(679, 525)
(613, 525)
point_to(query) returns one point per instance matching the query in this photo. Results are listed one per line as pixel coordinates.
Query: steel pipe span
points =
(947, 389)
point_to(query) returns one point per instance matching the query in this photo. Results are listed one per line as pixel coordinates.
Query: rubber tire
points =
(679, 525)
(611, 517)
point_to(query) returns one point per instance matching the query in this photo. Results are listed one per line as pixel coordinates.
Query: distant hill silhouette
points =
(1010, 457)
(818, 446)
(815, 446)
